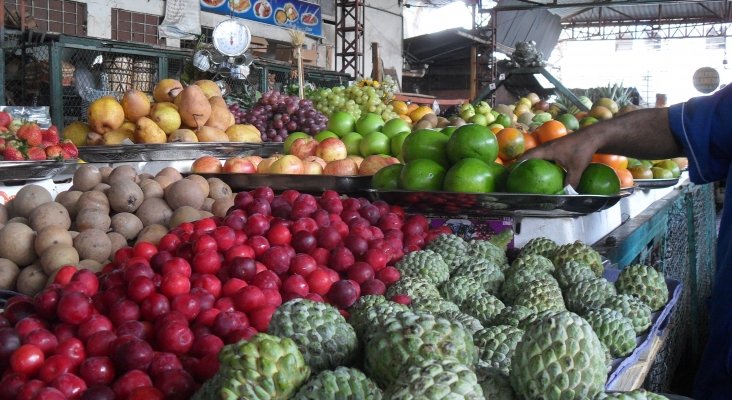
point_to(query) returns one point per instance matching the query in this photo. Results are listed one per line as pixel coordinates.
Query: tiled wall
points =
(130, 26)
(60, 16)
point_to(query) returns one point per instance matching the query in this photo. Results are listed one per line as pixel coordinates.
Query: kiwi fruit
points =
(57, 256)
(122, 173)
(218, 189)
(9, 272)
(154, 211)
(171, 173)
(102, 187)
(184, 214)
(70, 200)
(17, 243)
(126, 224)
(152, 234)
(164, 181)
(125, 196)
(93, 244)
(49, 214)
(151, 188)
(86, 177)
(221, 206)
(184, 192)
(50, 236)
(117, 241)
(31, 280)
(93, 200)
(3, 214)
(105, 171)
(202, 182)
(28, 198)
(207, 204)
(92, 218)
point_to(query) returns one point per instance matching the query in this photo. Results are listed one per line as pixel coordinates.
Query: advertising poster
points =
(292, 14)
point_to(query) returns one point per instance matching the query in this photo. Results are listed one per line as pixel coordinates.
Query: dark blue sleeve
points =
(703, 126)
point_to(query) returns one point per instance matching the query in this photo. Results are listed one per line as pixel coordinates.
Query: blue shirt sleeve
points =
(703, 127)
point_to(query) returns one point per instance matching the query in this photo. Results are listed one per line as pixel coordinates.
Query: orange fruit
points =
(406, 118)
(510, 143)
(411, 107)
(580, 115)
(614, 161)
(496, 129)
(529, 142)
(420, 112)
(626, 178)
(550, 130)
(400, 107)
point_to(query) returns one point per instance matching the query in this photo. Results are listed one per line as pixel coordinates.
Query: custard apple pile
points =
(545, 327)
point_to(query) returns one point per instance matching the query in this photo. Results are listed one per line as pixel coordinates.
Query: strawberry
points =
(69, 149)
(5, 119)
(36, 153)
(54, 151)
(2, 144)
(50, 136)
(31, 134)
(12, 153)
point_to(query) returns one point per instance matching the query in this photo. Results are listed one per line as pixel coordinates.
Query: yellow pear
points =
(209, 87)
(193, 107)
(182, 135)
(105, 115)
(163, 104)
(130, 126)
(149, 132)
(136, 104)
(118, 136)
(76, 132)
(211, 134)
(166, 90)
(167, 118)
(220, 115)
(244, 133)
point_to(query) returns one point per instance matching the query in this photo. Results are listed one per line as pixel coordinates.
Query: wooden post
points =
(473, 72)
(376, 72)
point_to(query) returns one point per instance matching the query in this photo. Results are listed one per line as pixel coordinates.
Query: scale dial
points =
(231, 37)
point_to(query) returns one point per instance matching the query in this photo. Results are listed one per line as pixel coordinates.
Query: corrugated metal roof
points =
(629, 11)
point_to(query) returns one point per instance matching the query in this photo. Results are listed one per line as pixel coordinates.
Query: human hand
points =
(572, 152)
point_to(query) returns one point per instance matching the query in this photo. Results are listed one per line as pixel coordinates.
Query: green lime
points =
(449, 130)
(535, 176)
(387, 178)
(503, 119)
(587, 121)
(469, 175)
(368, 123)
(671, 166)
(599, 179)
(291, 139)
(374, 143)
(472, 141)
(395, 126)
(322, 135)
(479, 119)
(500, 174)
(422, 174)
(426, 143)
(341, 122)
(569, 121)
(632, 162)
(396, 143)
(662, 173)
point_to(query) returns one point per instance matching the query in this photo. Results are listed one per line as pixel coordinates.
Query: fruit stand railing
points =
(677, 234)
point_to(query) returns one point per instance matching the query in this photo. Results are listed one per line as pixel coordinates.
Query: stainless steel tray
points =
(655, 183)
(15, 171)
(483, 204)
(175, 151)
(303, 183)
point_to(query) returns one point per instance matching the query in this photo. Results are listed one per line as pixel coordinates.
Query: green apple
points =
(483, 108)
(325, 135)
(395, 126)
(374, 143)
(479, 119)
(291, 138)
(352, 140)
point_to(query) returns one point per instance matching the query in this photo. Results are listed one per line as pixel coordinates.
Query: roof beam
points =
(702, 5)
(535, 5)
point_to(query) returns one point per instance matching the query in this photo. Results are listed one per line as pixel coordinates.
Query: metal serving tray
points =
(31, 170)
(303, 183)
(482, 204)
(175, 151)
(656, 183)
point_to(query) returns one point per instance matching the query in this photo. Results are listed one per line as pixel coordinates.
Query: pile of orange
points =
(619, 164)
(412, 112)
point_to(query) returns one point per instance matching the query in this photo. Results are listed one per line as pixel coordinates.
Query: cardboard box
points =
(259, 46)
(309, 56)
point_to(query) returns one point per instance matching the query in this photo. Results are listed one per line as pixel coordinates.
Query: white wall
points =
(383, 24)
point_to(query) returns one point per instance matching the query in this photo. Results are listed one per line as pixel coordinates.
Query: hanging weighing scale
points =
(226, 55)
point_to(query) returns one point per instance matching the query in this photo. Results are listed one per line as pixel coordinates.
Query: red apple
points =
(288, 164)
(372, 164)
(344, 167)
(331, 149)
(304, 147)
(239, 165)
(206, 165)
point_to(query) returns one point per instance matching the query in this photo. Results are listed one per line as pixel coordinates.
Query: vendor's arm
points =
(643, 134)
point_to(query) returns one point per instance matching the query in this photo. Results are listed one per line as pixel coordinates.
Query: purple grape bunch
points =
(277, 115)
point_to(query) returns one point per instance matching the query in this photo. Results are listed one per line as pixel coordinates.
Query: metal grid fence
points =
(678, 239)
